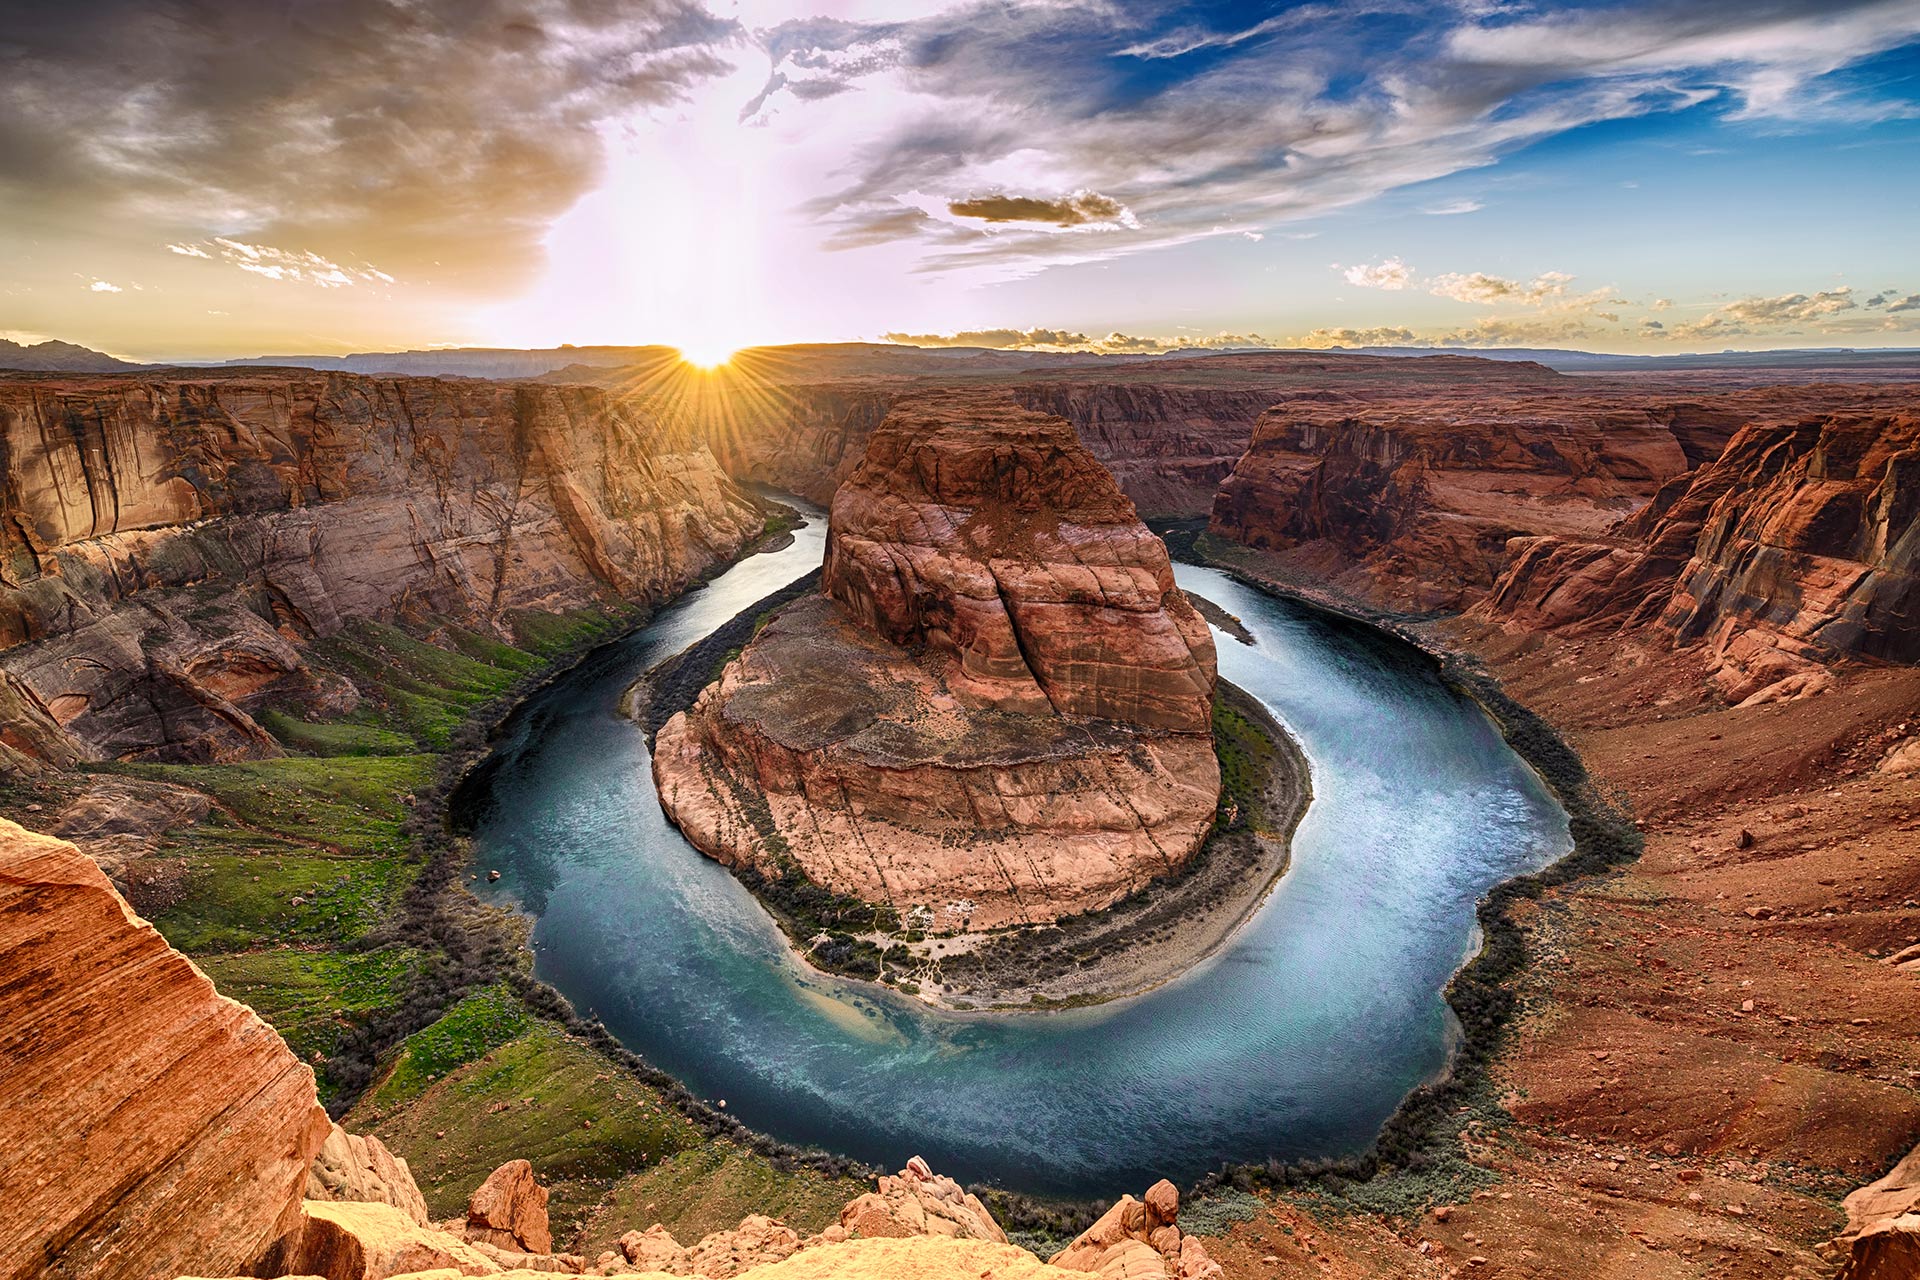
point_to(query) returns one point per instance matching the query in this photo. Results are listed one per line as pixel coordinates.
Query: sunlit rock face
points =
(997, 709)
(151, 1126)
(170, 544)
(1798, 546)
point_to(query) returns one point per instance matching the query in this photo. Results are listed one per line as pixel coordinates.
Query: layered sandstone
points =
(1416, 502)
(150, 1125)
(1169, 431)
(999, 708)
(1412, 500)
(169, 544)
(1797, 547)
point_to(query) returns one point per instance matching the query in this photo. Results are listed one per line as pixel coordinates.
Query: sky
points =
(213, 178)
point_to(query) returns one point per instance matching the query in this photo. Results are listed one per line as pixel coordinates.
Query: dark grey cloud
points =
(1909, 303)
(434, 138)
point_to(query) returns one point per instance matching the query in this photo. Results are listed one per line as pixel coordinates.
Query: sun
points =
(706, 354)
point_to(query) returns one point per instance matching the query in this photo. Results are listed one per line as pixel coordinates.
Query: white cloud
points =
(291, 264)
(1480, 287)
(1452, 208)
(1391, 274)
(188, 251)
(101, 286)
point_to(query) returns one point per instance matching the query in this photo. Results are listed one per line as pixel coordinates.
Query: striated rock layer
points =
(999, 708)
(168, 543)
(150, 1125)
(1798, 546)
(1411, 501)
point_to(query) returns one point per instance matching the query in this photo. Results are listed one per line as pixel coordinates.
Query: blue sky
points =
(220, 178)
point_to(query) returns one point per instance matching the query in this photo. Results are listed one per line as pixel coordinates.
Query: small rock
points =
(492, 876)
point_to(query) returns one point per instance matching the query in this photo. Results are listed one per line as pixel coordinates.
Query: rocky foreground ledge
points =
(154, 1128)
(997, 712)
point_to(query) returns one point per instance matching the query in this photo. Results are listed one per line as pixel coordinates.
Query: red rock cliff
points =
(151, 1127)
(167, 545)
(999, 708)
(1798, 546)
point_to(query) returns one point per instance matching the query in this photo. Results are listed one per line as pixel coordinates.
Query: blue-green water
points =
(1297, 1039)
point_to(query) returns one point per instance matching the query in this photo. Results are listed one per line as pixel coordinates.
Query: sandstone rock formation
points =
(347, 1241)
(1415, 502)
(1140, 1240)
(1411, 500)
(919, 1202)
(150, 1125)
(1169, 433)
(361, 1170)
(1882, 1239)
(509, 1210)
(999, 709)
(1798, 546)
(169, 544)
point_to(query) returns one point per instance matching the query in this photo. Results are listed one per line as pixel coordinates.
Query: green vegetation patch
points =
(335, 738)
(478, 1023)
(544, 1097)
(354, 803)
(711, 1188)
(237, 901)
(312, 997)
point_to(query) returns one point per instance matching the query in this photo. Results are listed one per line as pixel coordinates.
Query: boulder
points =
(360, 1169)
(756, 1241)
(167, 1129)
(355, 1241)
(919, 1202)
(655, 1249)
(509, 1210)
(1140, 1240)
(1882, 1237)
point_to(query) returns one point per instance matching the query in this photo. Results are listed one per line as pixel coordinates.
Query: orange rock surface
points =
(149, 1125)
(998, 711)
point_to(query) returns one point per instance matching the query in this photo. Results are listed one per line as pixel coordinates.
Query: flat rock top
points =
(814, 678)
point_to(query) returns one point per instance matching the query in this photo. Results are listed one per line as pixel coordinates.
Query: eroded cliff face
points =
(999, 708)
(1168, 446)
(1414, 503)
(1797, 547)
(169, 545)
(151, 1126)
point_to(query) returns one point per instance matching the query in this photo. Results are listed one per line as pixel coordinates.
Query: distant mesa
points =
(996, 711)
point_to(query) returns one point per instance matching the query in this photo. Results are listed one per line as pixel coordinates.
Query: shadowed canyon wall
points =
(167, 545)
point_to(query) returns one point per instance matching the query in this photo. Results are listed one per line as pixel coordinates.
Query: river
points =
(1298, 1039)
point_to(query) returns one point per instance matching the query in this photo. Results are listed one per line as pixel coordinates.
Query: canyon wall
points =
(1168, 446)
(999, 709)
(168, 545)
(1797, 547)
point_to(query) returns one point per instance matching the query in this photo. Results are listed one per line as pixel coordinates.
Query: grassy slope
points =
(288, 896)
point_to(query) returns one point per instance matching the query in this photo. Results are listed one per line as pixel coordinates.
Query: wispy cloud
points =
(1208, 129)
(298, 266)
(1453, 208)
(102, 286)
